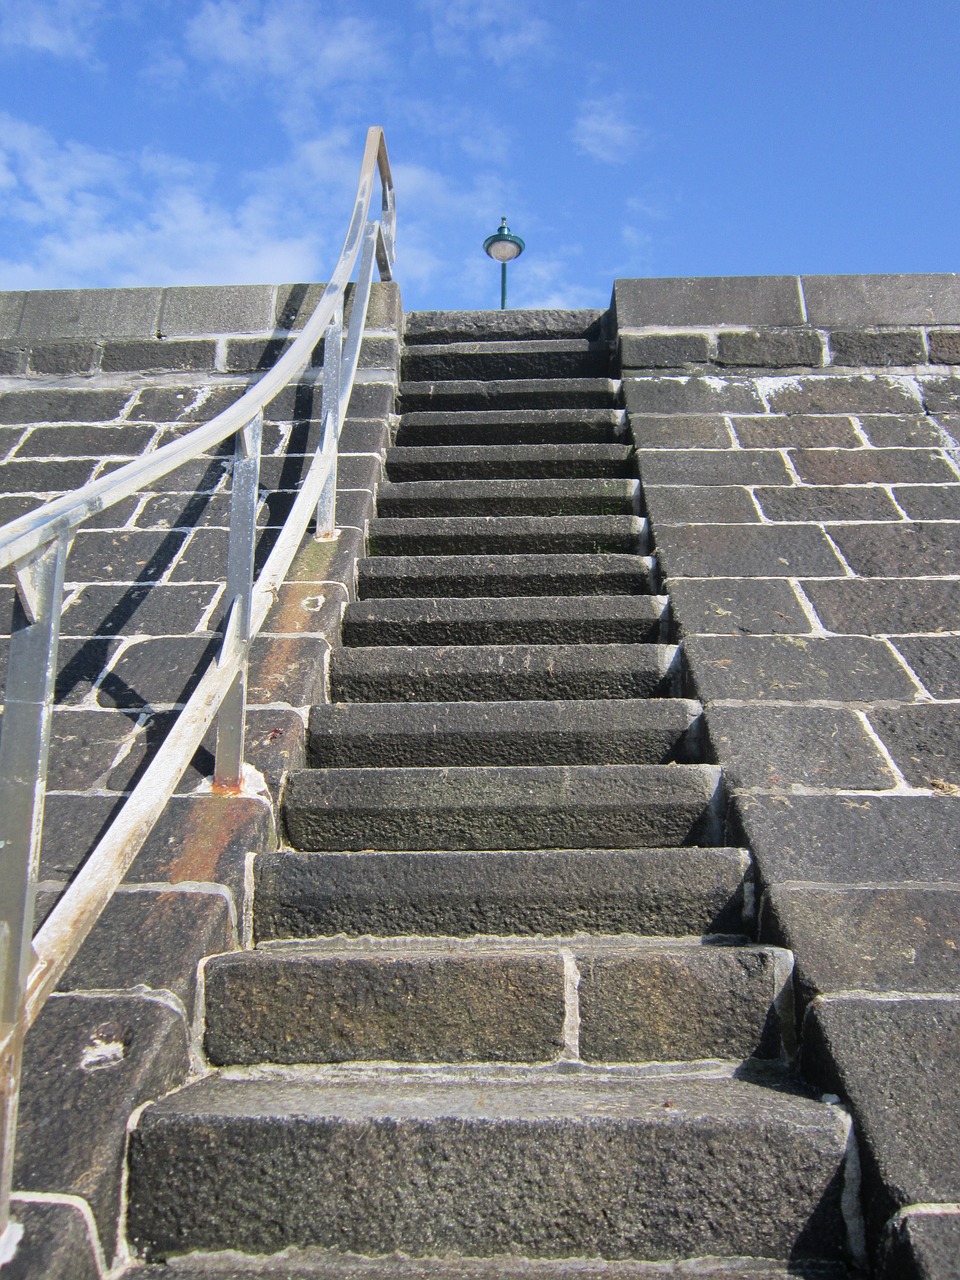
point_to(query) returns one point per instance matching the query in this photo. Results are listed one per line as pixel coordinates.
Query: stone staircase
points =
(503, 1003)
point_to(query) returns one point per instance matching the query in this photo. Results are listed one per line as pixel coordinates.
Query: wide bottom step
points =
(539, 1164)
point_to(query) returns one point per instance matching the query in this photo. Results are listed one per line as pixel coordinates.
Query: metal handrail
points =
(36, 545)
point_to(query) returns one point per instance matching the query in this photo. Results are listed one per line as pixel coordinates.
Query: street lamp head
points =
(503, 245)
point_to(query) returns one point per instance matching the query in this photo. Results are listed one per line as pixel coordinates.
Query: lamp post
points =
(503, 246)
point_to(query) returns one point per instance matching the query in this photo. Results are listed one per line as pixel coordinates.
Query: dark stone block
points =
(679, 431)
(141, 357)
(372, 399)
(203, 839)
(56, 1243)
(944, 346)
(929, 501)
(328, 561)
(671, 394)
(363, 435)
(436, 1004)
(886, 607)
(640, 891)
(796, 431)
(83, 747)
(61, 406)
(900, 430)
(662, 350)
(508, 535)
(881, 939)
(776, 747)
(770, 348)
(159, 671)
(895, 1061)
(497, 326)
(882, 299)
(170, 404)
(530, 575)
(287, 669)
(827, 502)
(935, 659)
(64, 358)
(88, 1063)
(708, 300)
(128, 556)
(275, 743)
(940, 395)
(712, 467)
(877, 347)
(301, 608)
(760, 551)
(682, 504)
(151, 938)
(145, 610)
(201, 475)
(125, 442)
(449, 363)
(852, 839)
(837, 393)
(46, 478)
(872, 466)
(244, 355)
(11, 310)
(924, 1245)
(924, 740)
(794, 668)
(297, 302)
(672, 1004)
(186, 511)
(918, 550)
(13, 361)
(735, 606)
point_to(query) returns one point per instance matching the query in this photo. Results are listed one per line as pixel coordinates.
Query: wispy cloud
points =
(500, 30)
(60, 27)
(604, 132)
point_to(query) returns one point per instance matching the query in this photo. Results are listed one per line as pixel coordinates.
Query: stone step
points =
(509, 462)
(474, 394)
(544, 358)
(597, 999)
(349, 735)
(515, 325)
(325, 1264)
(565, 425)
(507, 620)
(524, 1162)
(528, 497)
(507, 807)
(461, 892)
(503, 673)
(505, 576)
(506, 535)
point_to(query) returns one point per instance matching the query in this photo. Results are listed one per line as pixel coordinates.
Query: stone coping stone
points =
(882, 299)
(851, 839)
(894, 1059)
(708, 300)
(883, 938)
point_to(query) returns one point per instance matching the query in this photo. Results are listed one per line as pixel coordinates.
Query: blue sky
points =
(165, 142)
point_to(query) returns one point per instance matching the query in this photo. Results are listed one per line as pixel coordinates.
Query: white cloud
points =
(60, 27)
(603, 132)
(495, 28)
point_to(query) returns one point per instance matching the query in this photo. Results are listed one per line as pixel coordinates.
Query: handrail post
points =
(31, 678)
(228, 768)
(330, 418)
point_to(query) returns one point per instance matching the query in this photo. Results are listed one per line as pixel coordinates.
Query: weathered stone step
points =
(567, 424)
(593, 497)
(488, 999)
(509, 393)
(508, 535)
(502, 673)
(526, 1163)
(509, 462)
(508, 807)
(325, 1264)
(544, 358)
(381, 577)
(349, 735)
(507, 620)
(516, 324)
(464, 892)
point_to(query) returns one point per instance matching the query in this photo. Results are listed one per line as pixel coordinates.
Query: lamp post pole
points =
(503, 246)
